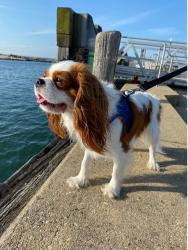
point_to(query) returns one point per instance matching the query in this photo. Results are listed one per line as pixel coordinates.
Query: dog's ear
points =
(54, 123)
(90, 110)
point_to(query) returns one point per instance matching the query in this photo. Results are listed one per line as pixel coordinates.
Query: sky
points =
(29, 27)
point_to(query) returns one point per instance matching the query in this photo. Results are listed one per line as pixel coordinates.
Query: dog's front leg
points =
(81, 180)
(121, 162)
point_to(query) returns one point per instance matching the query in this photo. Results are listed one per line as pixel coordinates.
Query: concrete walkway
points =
(150, 215)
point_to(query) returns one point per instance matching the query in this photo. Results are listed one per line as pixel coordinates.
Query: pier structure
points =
(148, 59)
(76, 34)
(151, 213)
(138, 58)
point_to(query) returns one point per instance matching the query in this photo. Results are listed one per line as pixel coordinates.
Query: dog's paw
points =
(153, 166)
(111, 192)
(77, 182)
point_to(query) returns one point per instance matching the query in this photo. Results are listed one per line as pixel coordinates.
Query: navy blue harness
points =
(124, 111)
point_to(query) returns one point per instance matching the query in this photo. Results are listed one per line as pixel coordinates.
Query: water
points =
(23, 126)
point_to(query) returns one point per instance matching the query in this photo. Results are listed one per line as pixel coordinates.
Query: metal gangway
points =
(147, 59)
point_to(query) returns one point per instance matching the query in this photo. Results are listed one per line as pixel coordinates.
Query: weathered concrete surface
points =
(150, 215)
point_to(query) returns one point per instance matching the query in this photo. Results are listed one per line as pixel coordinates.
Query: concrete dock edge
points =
(150, 215)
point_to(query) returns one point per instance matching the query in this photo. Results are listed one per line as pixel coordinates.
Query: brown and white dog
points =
(77, 102)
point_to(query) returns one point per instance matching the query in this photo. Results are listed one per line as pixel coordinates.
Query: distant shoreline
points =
(14, 57)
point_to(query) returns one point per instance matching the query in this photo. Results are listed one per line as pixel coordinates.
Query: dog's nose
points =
(39, 82)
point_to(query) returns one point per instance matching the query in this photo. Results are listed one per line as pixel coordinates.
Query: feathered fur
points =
(90, 110)
(77, 102)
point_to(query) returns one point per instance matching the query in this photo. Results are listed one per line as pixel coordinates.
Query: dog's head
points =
(69, 87)
(57, 89)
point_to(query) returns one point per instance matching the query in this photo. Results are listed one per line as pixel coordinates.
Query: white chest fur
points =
(67, 122)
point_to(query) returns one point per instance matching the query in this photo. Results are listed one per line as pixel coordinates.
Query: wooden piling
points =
(106, 52)
(64, 32)
(76, 35)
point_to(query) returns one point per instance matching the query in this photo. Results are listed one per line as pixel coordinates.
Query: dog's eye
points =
(58, 82)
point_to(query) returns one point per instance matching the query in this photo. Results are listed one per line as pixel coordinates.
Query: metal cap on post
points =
(106, 52)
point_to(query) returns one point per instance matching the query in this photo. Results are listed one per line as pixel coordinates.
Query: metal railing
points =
(148, 59)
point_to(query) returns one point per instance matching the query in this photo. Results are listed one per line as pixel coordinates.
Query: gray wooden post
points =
(106, 52)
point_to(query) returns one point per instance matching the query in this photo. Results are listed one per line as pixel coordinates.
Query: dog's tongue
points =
(61, 106)
(40, 99)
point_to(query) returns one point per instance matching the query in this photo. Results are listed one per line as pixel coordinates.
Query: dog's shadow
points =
(173, 182)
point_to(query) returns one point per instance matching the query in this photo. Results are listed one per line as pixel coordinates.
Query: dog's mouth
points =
(60, 107)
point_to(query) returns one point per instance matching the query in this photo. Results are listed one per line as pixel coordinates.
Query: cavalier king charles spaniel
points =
(105, 121)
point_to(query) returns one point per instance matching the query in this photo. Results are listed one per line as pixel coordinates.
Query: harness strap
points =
(124, 111)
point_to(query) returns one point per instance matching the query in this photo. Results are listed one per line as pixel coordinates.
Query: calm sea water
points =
(23, 126)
